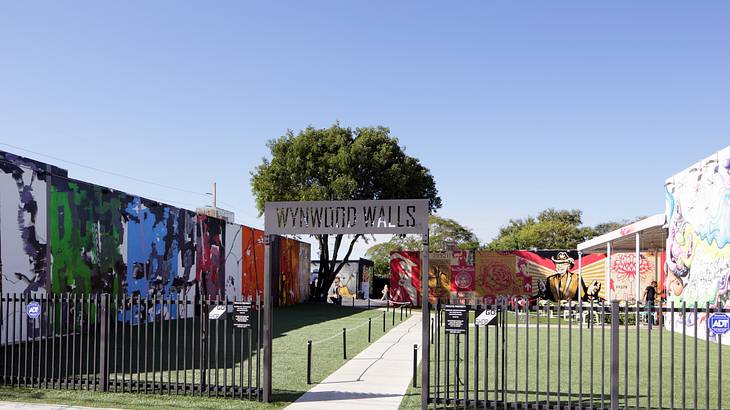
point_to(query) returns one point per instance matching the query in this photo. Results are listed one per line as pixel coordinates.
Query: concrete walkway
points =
(377, 378)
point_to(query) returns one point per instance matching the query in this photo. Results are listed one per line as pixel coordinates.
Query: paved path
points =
(377, 378)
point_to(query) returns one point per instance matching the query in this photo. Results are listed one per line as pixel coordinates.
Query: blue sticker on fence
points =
(33, 309)
(719, 323)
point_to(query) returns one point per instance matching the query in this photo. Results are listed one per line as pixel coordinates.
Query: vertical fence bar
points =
(138, 315)
(132, 347)
(650, 318)
(719, 364)
(695, 387)
(638, 356)
(684, 355)
(661, 352)
(177, 343)
(626, 355)
(161, 352)
(250, 362)
(309, 362)
(614, 355)
(537, 355)
(547, 368)
(168, 365)
(590, 325)
(707, 358)
(344, 343)
(225, 349)
(259, 335)
(570, 353)
(603, 353)
(527, 351)
(185, 342)
(447, 352)
(122, 341)
(476, 356)
(560, 356)
(415, 365)
(486, 363)
(88, 337)
(104, 343)
(671, 367)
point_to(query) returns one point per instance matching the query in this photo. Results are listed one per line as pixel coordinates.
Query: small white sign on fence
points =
(217, 312)
(486, 318)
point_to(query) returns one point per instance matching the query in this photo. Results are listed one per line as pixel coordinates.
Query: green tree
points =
(551, 229)
(443, 232)
(338, 163)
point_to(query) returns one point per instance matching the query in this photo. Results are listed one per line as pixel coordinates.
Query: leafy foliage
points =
(338, 163)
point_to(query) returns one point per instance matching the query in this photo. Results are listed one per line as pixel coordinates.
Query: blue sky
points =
(515, 106)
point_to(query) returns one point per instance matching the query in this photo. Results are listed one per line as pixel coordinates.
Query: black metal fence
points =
(157, 345)
(579, 356)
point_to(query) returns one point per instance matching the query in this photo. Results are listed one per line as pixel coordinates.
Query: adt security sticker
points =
(33, 309)
(719, 323)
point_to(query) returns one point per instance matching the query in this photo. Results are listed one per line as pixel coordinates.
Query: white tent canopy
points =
(645, 235)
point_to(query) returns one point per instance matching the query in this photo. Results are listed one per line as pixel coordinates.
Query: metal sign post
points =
(425, 322)
(266, 336)
(397, 216)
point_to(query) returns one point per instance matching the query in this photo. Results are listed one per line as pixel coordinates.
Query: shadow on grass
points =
(294, 317)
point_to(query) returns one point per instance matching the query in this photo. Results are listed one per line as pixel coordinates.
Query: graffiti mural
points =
(210, 266)
(23, 225)
(87, 233)
(59, 235)
(698, 241)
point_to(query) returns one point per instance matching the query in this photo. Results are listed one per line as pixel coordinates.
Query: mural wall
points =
(489, 277)
(698, 241)
(58, 234)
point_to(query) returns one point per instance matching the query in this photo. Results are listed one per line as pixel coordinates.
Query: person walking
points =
(385, 292)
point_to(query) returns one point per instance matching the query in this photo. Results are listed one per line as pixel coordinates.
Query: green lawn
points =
(293, 326)
(526, 381)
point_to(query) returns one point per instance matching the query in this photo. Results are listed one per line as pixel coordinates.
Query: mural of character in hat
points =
(567, 285)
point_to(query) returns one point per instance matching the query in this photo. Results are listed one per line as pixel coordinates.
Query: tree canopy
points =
(551, 229)
(339, 163)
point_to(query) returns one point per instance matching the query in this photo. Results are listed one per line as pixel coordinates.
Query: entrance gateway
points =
(399, 216)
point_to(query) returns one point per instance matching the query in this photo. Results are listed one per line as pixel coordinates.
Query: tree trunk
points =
(328, 266)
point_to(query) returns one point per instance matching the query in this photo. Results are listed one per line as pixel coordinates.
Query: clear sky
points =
(515, 106)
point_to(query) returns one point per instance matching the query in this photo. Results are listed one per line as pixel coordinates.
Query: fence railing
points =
(580, 356)
(160, 345)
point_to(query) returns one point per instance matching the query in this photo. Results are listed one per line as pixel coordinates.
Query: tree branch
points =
(349, 251)
(338, 243)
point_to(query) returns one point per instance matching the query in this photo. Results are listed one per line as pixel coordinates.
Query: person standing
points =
(649, 299)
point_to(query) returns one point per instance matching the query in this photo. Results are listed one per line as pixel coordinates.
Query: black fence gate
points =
(156, 345)
(577, 356)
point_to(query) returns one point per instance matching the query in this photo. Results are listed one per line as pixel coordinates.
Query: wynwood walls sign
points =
(347, 217)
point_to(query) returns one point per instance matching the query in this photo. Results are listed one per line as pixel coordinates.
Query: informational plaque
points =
(457, 319)
(398, 216)
(242, 315)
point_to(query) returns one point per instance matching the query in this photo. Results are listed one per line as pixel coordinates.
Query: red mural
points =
(209, 263)
(252, 263)
(289, 268)
(405, 277)
(463, 273)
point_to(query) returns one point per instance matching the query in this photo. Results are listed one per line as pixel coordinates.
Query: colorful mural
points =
(698, 241)
(59, 235)
(493, 277)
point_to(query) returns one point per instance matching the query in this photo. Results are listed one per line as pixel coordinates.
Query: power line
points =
(116, 174)
(144, 181)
